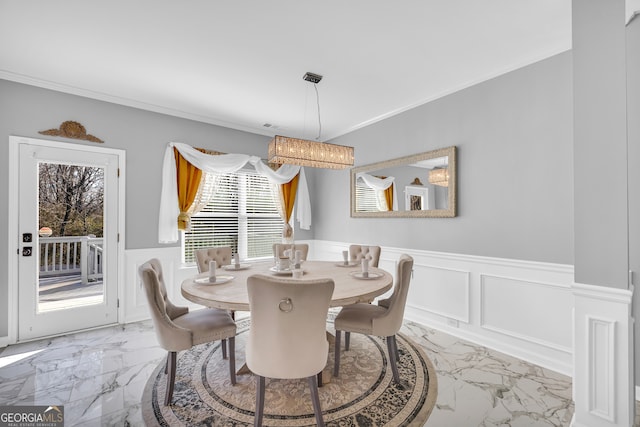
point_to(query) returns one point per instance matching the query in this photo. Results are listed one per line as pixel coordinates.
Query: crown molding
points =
(127, 102)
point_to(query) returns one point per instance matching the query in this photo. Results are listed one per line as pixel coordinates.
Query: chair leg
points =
(336, 358)
(171, 377)
(347, 340)
(232, 359)
(391, 347)
(257, 421)
(315, 399)
(395, 344)
(224, 348)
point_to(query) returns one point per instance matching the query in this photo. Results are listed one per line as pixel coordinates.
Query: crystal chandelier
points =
(439, 177)
(314, 154)
(302, 152)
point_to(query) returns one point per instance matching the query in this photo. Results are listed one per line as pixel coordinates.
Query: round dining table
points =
(350, 286)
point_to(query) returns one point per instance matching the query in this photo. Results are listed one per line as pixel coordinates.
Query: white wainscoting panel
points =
(442, 291)
(526, 316)
(603, 385)
(517, 307)
(327, 251)
(601, 343)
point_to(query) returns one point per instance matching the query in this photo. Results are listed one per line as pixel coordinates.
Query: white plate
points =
(220, 279)
(276, 270)
(286, 272)
(232, 267)
(372, 275)
(351, 264)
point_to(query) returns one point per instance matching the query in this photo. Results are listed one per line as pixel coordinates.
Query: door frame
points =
(13, 225)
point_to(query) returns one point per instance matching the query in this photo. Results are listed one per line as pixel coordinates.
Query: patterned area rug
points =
(364, 394)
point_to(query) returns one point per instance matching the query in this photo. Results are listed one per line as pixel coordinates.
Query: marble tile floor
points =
(99, 377)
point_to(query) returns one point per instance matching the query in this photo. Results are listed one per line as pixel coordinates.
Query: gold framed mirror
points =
(418, 186)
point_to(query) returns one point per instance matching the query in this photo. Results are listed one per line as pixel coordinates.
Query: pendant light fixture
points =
(302, 152)
(439, 177)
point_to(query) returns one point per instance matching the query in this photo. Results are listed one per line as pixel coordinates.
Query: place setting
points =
(365, 274)
(213, 278)
(289, 264)
(236, 265)
(345, 261)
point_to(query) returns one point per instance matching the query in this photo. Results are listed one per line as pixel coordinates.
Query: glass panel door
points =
(68, 213)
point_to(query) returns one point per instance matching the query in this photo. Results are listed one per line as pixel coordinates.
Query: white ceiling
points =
(240, 63)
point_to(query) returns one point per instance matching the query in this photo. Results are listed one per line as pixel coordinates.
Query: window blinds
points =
(242, 214)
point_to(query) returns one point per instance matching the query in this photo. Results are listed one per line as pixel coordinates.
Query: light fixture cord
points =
(318, 103)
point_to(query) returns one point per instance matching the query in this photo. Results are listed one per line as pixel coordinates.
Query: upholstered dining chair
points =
(287, 338)
(358, 252)
(178, 329)
(372, 319)
(279, 248)
(221, 255)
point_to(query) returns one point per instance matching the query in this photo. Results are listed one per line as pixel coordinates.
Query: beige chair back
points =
(358, 252)
(279, 248)
(288, 338)
(221, 255)
(170, 336)
(391, 322)
(178, 330)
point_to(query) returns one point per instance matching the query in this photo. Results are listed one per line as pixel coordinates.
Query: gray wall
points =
(25, 110)
(633, 125)
(607, 132)
(515, 179)
(600, 139)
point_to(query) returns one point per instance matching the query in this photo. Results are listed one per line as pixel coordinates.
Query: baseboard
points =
(4, 341)
(556, 361)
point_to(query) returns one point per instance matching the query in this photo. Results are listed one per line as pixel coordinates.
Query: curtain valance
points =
(382, 184)
(221, 164)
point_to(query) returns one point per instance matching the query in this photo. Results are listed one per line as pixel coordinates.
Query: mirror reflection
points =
(422, 185)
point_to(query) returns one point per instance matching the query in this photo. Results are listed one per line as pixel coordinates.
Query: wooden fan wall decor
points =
(71, 129)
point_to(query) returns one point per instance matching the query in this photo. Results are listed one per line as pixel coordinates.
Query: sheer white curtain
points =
(380, 185)
(224, 163)
(206, 191)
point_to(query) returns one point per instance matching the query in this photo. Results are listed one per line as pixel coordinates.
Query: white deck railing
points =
(71, 255)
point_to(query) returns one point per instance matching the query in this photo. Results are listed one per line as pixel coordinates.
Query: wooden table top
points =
(232, 295)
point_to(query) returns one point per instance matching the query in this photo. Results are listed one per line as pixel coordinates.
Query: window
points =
(367, 199)
(243, 214)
